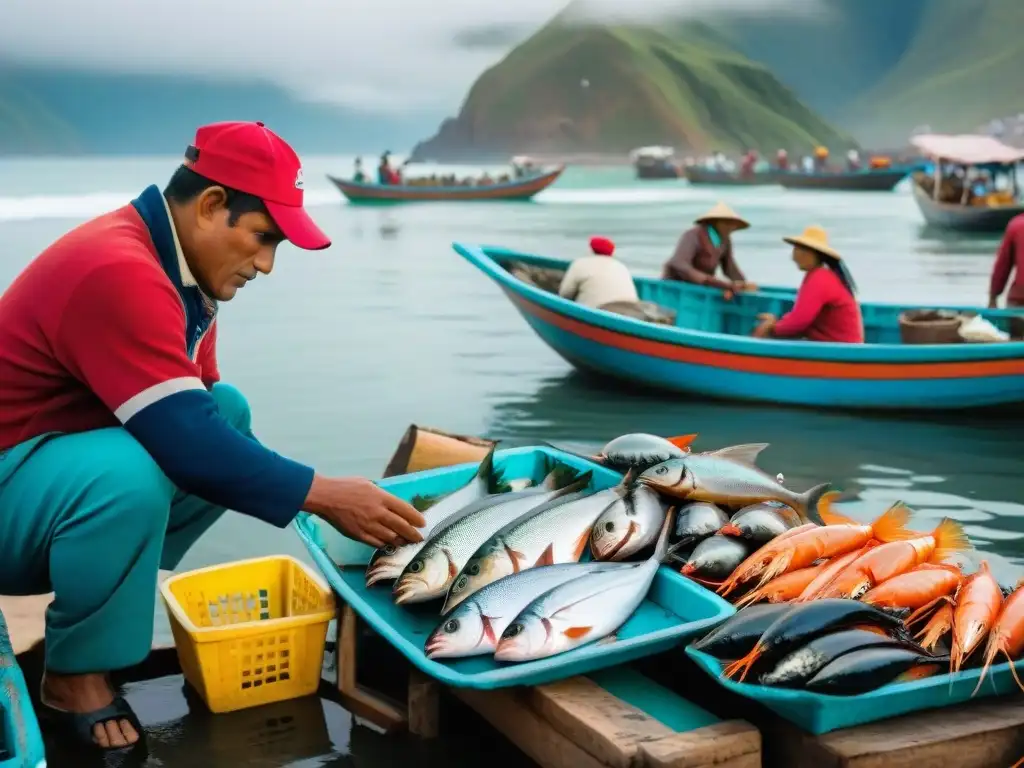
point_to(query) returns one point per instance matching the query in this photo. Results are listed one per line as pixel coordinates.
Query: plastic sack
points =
(978, 329)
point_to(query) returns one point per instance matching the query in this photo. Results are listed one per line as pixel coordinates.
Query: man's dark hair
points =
(186, 185)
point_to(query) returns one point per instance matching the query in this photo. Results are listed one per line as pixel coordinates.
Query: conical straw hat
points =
(722, 212)
(816, 239)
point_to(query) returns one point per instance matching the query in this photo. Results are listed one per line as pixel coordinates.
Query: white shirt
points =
(596, 280)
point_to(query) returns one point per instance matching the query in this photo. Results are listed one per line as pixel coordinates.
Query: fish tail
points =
(742, 666)
(992, 649)
(950, 538)
(577, 484)
(662, 549)
(683, 442)
(892, 524)
(817, 503)
(559, 476)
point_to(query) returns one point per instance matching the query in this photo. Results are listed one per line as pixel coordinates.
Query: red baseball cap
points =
(602, 246)
(252, 158)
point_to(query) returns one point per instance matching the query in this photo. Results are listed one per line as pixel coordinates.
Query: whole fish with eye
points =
(581, 611)
(629, 524)
(762, 522)
(715, 558)
(639, 450)
(552, 533)
(389, 561)
(730, 477)
(435, 567)
(475, 624)
(698, 520)
(869, 669)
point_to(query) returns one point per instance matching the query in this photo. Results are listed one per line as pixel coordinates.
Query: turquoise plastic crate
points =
(20, 727)
(675, 610)
(820, 713)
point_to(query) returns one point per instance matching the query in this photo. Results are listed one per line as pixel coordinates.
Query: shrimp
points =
(783, 589)
(839, 536)
(978, 602)
(764, 554)
(833, 567)
(938, 626)
(1007, 635)
(922, 586)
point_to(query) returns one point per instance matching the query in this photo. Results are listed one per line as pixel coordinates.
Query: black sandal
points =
(79, 725)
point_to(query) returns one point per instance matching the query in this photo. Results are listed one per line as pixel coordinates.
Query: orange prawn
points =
(832, 567)
(763, 554)
(839, 536)
(978, 602)
(918, 588)
(783, 589)
(938, 626)
(1007, 635)
(896, 558)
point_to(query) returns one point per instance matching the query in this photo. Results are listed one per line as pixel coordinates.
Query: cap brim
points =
(298, 227)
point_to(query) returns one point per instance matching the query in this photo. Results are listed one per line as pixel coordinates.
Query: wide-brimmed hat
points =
(815, 238)
(722, 212)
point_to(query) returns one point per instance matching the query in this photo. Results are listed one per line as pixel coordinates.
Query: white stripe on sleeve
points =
(156, 393)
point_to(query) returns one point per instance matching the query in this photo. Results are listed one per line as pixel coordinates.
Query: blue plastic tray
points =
(20, 727)
(820, 713)
(675, 610)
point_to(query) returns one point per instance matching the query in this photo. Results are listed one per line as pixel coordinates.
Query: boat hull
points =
(696, 175)
(732, 366)
(964, 218)
(855, 181)
(518, 190)
(650, 172)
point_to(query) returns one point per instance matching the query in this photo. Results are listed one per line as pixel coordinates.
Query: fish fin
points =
(950, 538)
(547, 557)
(517, 558)
(683, 442)
(741, 454)
(630, 477)
(918, 672)
(560, 476)
(662, 548)
(581, 545)
(578, 483)
(487, 629)
(815, 506)
(892, 524)
(575, 633)
(742, 666)
(422, 503)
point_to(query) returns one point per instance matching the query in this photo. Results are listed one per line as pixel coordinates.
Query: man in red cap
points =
(119, 445)
(599, 279)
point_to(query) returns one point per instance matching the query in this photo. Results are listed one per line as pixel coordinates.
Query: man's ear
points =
(210, 206)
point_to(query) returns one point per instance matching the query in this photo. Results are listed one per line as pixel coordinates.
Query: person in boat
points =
(826, 308)
(705, 247)
(782, 160)
(120, 444)
(598, 279)
(1010, 264)
(748, 163)
(358, 174)
(853, 160)
(385, 173)
(820, 159)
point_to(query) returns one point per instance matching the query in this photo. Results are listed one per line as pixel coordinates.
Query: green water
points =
(340, 351)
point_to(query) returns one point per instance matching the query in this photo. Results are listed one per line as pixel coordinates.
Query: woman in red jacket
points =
(825, 308)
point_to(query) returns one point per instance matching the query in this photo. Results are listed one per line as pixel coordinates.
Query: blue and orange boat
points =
(709, 350)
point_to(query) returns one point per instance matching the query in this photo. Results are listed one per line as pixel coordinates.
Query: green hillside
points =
(576, 88)
(29, 126)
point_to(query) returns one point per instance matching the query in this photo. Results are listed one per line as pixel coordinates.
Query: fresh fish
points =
(389, 561)
(430, 574)
(785, 588)
(581, 611)
(730, 477)
(738, 634)
(639, 450)
(804, 622)
(553, 533)
(629, 524)
(799, 666)
(760, 523)
(871, 668)
(1007, 636)
(715, 558)
(978, 602)
(474, 626)
(697, 521)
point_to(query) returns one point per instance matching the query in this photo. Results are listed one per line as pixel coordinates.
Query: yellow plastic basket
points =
(249, 632)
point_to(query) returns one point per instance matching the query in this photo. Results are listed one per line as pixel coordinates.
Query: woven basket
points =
(930, 326)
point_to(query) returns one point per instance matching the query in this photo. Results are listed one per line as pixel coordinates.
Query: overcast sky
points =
(379, 55)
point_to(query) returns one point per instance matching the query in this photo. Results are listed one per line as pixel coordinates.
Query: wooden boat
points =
(709, 350)
(966, 152)
(876, 180)
(516, 189)
(695, 174)
(654, 163)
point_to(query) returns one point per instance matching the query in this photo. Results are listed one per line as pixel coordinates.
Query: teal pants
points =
(91, 517)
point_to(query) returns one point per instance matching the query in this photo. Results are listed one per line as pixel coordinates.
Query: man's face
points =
(225, 256)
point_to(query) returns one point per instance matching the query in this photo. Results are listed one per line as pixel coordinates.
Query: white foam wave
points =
(615, 196)
(85, 206)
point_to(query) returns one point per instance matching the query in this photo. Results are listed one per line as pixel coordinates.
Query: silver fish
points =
(389, 561)
(553, 533)
(640, 450)
(698, 520)
(474, 626)
(761, 522)
(630, 524)
(716, 557)
(581, 611)
(431, 573)
(730, 477)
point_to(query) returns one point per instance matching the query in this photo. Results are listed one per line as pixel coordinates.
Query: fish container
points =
(21, 743)
(820, 713)
(249, 632)
(675, 609)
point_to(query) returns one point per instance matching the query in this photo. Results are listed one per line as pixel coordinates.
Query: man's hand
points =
(748, 287)
(767, 325)
(363, 511)
(993, 302)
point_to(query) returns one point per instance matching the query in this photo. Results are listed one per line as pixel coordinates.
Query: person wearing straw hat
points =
(706, 246)
(825, 307)
(598, 279)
